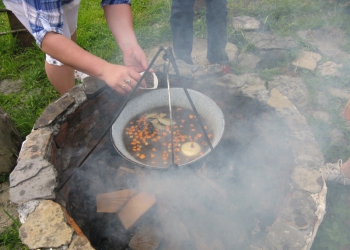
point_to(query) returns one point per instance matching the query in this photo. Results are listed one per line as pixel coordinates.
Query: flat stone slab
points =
(245, 23)
(248, 60)
(330, 68)
(307, 60)
(46, 227)
(278, 101)
(53, 110)
(268, 41)
(321, 116)
(329, 40)
(37, 145)
(309, 180)
(80, 243)
(10, 86)
(343, 94)
(293, 88)
(33, 179)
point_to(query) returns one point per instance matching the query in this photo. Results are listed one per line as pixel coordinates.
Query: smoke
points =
(225, 201)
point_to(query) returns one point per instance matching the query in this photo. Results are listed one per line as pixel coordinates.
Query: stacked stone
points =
(35, 177)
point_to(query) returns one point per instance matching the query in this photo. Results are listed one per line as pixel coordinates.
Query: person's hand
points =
(135, 58)
(121, 78)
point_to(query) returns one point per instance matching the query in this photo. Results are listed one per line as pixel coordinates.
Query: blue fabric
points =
(181, 22)
(46, 15)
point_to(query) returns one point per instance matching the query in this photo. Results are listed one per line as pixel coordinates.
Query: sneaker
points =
(187, 60)
(226, 69)
(332, 172)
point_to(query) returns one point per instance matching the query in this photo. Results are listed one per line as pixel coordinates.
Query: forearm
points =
(119, 20)
(69, 53)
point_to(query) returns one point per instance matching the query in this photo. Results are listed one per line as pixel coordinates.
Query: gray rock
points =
(232, 81)
(10, 86)
(330, 68)
(33, 179)
(10, 142)
(80, 243)
(38, 144)
(245, 23)
(92, 85)
(26, 208)
(54, 110)
(281, 236)
(248, 60)
(338, 137)
(272, 58)
(322, 99)
(343, 94)
(307, 60)
(293, 88)
(46, 227)
(300, 210)
(329, 41)
(268, 41)
(321, 116)
(309, 180)
(279, 101)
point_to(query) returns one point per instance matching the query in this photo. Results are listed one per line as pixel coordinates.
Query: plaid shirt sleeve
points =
(44, 16)
(109, 2)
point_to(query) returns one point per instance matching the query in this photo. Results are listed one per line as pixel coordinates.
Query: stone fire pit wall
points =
(63, 135)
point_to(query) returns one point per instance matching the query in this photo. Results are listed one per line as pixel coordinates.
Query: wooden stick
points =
(12, 31)
(72, 223)
(135, 208)
(113, 201)
(146, 237)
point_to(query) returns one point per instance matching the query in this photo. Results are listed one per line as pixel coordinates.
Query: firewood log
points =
(113, 201)
(135, 208)
(174, 232)
(146, 237)
(125, 178)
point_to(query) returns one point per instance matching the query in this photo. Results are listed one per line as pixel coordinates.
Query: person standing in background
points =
(181, 22)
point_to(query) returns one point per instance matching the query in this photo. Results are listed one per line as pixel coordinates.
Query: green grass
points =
(151, 22)
(9, 239)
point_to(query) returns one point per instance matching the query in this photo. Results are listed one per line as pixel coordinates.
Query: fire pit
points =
(260, 188)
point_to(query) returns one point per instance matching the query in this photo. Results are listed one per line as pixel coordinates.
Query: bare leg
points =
(346, 168)
(61, 77)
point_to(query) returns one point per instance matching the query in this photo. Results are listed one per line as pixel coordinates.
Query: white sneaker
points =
(332, 172)
(79, 75)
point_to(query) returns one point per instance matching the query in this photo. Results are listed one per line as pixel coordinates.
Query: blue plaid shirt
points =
(46, 16)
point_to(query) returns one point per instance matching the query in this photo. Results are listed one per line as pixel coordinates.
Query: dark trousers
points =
(181, 22)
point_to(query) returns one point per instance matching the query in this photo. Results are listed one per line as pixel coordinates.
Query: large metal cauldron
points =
(208, 110)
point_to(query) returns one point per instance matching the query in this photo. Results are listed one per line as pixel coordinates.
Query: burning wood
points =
(72, 223)
(174, 231)
(125, 178)
(113, 201)
(135, 208)
(146, 237)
